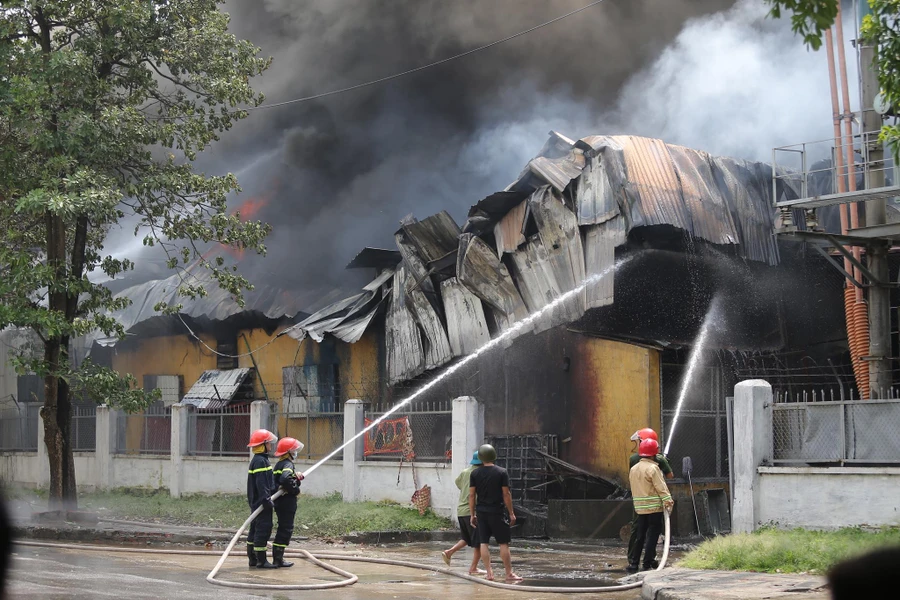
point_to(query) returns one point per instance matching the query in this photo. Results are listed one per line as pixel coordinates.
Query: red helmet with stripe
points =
(261, 436)
(286, 445)
(644, 434)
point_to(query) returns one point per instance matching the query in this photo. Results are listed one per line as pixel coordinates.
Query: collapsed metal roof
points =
(446, 290)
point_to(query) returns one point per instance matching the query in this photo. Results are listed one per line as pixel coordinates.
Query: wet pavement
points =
(49, 573)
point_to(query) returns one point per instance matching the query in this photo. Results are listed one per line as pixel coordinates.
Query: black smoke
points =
(339, 173)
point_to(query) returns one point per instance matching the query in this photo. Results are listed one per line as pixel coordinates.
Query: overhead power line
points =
(416, 69)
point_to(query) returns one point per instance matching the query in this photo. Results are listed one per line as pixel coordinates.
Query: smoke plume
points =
(337, 174)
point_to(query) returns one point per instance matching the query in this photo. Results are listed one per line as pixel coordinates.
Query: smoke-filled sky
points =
(338, 174)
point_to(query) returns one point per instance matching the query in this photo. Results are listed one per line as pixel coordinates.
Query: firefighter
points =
(651, 497)
(286, 506)
(260, 487)
(661, 460)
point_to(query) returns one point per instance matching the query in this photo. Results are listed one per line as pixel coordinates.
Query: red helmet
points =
(261, 436)
(286, 445)
(648, 448)
(644, 434)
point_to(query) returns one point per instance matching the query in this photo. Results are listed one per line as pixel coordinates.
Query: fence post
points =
(753, 444)
(105, 446)
(43, 476)
(259, 417)
(354, 420)
(178, 449)
(466, 434)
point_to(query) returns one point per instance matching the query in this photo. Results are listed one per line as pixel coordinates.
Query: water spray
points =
(497, 341)
(349, 577)
(693, 361)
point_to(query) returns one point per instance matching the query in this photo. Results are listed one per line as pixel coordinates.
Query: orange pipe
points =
(854, 311)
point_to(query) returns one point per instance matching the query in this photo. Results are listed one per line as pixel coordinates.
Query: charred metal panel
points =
(405, 356)
(479, 269)
(434, 237)
(488, 211)
(653, 188)
(596, 199)
(744, 183)
(466, 324)
(215, 389)
(415, 266)
(436, 345)
(375, 258)
(708, 210)
(552, 262)
(510, 231)
(600, 243)
(558, 172)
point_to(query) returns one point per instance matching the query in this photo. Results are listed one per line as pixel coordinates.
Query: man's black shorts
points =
(467, 532)
(492, 524)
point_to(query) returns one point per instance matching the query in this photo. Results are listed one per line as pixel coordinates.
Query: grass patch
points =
(796, 551)
(317, 517)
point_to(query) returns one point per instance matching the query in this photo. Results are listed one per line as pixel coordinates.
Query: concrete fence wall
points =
(180, 473)
(801, 496)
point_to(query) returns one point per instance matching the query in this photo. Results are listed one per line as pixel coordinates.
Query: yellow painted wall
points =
(618, 394)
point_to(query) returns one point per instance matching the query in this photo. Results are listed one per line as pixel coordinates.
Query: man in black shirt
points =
(490, 485)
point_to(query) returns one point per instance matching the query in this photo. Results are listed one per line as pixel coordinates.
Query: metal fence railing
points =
(19, 428)
(84, 428)
(856, 432)
(219, 432)
(421, 431)
(320, 432)
(149, 432)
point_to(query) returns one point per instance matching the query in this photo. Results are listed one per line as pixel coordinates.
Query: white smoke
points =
(735, 83)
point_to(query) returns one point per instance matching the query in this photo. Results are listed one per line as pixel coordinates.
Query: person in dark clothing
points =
(490, 485)
(260, 487)
(868, 576)
(286, 506)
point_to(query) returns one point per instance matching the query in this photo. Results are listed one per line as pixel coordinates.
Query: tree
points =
(104, 106)
(881, 28)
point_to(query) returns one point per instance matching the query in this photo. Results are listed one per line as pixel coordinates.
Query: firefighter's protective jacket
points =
(648, 488)
(286, 477)
(260, 481)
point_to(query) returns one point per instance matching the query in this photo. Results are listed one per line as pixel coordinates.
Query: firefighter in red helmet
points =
(260, 487)
(651, 497)
(644, 434)
(286, 506)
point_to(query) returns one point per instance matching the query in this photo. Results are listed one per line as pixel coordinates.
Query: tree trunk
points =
(57, 416)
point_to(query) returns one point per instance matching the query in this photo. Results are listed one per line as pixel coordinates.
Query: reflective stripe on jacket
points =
(260, 481)
(648, 488)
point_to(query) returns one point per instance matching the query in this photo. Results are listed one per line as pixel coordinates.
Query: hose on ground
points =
(350, 578)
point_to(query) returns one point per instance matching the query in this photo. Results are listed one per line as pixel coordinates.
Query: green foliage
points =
(881, 28)
(809, 18)
(316, 517)
(797, 551)
(103, 107)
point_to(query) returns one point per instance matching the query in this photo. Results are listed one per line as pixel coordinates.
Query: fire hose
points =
(349, 578)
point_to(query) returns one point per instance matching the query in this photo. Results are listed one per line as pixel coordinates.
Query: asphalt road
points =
(49, 573)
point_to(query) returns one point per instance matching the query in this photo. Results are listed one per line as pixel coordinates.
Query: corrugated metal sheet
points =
(215, 389)
(479, 269)
(413, 262)
(600, 242)
(345, 319)
(722, 200)
(552, 262)
(558, 172)
(488, 211)
(434, 237)
(405, 356)
(375, 258)
(467, 328)
(509, 233)
(596, 200)
(436, 346)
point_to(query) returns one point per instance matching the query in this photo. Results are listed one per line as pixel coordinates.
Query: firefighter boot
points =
(262, 562)
(251, 555)
(278, 558)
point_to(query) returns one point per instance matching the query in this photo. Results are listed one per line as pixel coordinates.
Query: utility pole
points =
(880, 377)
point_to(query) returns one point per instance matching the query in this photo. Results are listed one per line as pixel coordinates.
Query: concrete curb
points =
(693, 584)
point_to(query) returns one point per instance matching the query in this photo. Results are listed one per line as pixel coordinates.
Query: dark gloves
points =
(269, 502)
